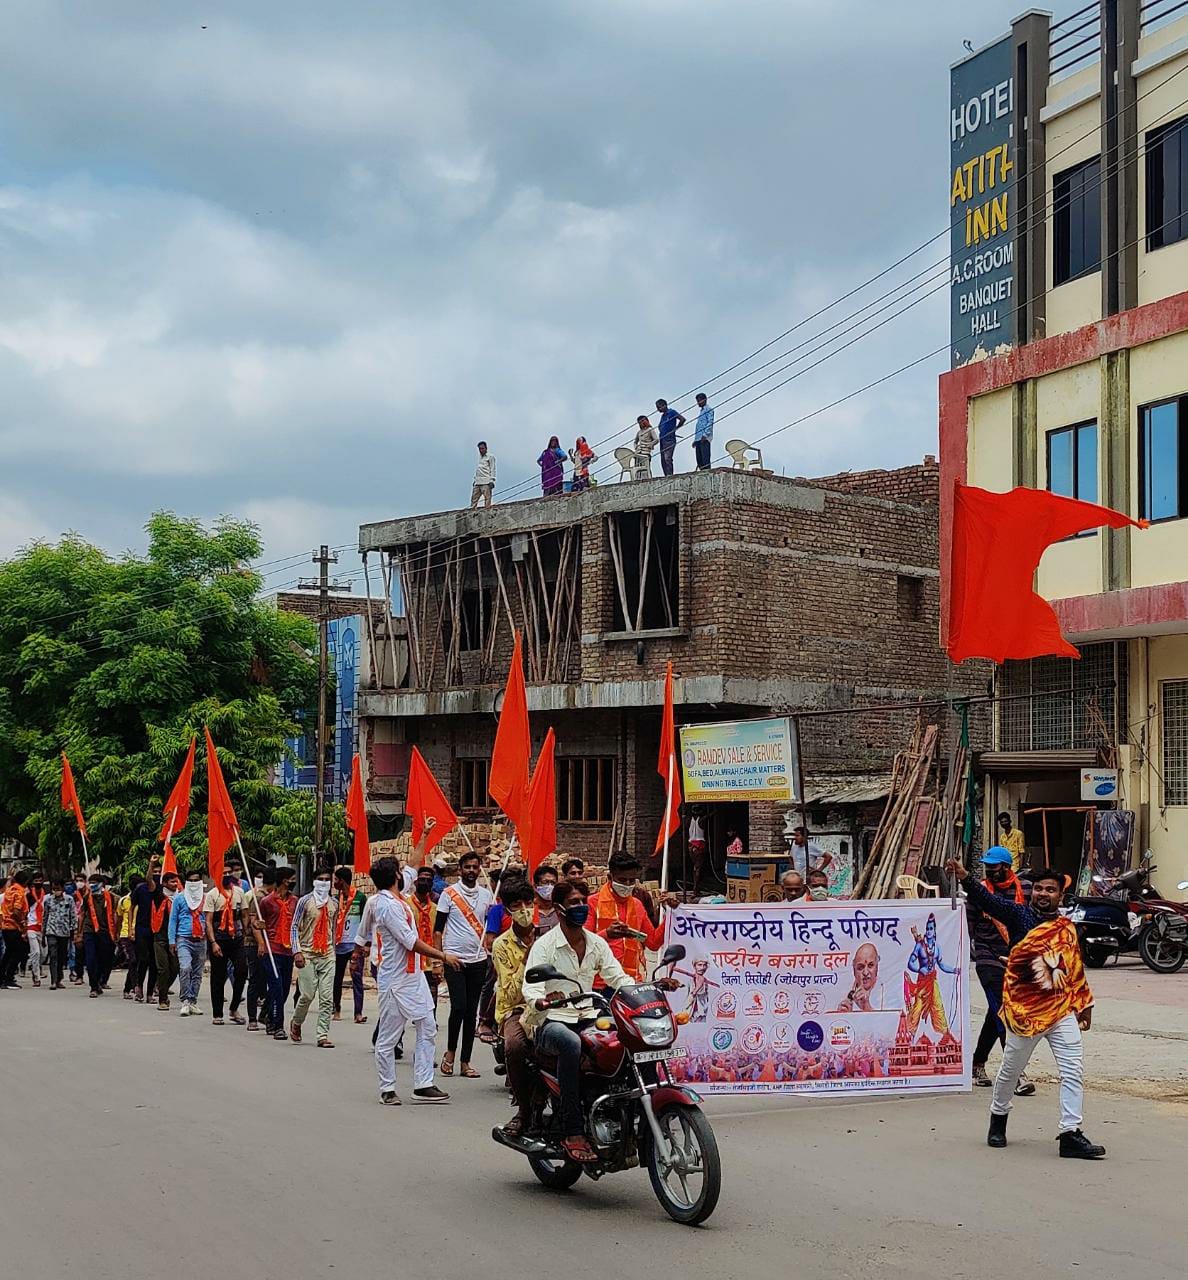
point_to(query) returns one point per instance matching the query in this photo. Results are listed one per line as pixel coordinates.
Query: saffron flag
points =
(356, 818)
(508, 780)
(70, 798)
(998, 539)
(177, 810)
(221, 823)
(538, 831)
(427, 800)
(668, 767)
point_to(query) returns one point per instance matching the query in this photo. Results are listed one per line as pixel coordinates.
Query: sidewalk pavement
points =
(1139, 1041)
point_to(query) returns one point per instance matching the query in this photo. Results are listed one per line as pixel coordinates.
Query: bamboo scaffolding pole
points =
(645, 559)
(617, 561)
(375, 672)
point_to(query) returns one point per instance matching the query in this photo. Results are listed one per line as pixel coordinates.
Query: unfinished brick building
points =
(768, 594)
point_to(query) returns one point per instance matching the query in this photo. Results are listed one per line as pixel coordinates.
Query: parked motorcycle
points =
(1109, 922)
(1163, 940)
(634, 1114)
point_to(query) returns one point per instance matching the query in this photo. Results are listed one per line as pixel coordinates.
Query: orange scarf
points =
(159, 914)
(424, 918)
(35, 909)
(227, 913)
(95, 919)
(321, 933)
(197, 924)
(344, 905)
(280, 934)
(1011, 882)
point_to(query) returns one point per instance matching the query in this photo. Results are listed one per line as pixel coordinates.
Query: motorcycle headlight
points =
(657, 1032)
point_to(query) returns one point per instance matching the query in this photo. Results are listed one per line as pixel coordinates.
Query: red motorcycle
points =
(1163, 938)
(634, 1114)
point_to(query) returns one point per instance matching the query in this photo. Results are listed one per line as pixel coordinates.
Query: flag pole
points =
(667, 833)
(256, 904)
(86, 856)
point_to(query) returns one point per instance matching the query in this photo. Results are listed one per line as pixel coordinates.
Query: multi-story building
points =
(767, 594)
(1069, 198)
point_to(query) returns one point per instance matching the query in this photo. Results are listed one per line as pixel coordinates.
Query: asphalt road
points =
(139, 1144)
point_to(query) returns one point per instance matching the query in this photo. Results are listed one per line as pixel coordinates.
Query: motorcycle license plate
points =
(660, 1055)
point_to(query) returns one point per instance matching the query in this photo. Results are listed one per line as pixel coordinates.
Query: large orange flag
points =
(356, 819)
(538, 832)
(427, 800)
(508, 781)
(997, 541)
(177, 810)
(668, 767)
(70, 798)
(221, 823)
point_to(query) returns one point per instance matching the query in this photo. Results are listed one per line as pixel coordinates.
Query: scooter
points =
(1108, 922)
(1163, 939)
(634, 1113)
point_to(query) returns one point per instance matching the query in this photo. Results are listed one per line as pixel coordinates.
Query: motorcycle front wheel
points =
(687, 1177)
(1159, 950)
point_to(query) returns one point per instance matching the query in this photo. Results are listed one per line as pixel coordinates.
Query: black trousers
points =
(992, 1029)
(16, 951)
(56, 950)
(145, 969)
(341, 960)
(231, 961)
(465, 986)
(701, 449)
(99, 951)
(167, 965)
(257, 983)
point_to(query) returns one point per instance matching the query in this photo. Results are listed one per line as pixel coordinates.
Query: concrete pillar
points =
(1031, 36)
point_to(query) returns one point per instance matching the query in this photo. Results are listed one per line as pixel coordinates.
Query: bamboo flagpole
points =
(667, 824)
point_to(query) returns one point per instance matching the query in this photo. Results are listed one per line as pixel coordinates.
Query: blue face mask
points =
(577, 915)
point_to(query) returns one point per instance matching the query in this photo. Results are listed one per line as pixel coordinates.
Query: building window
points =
(1167, 188)
(585, 789)
(472, 785)
(1076, 222)
(644, 549)
(1163, 459)
(1061, 704)
(909, 598)
(1072, 464)
(1175, 741)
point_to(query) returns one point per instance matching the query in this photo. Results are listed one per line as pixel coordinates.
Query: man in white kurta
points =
(403, 997)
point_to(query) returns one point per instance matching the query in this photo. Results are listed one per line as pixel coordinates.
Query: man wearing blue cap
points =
(990, 950)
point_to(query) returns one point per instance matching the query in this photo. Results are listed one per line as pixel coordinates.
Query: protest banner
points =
(739, 760)
(822, 997)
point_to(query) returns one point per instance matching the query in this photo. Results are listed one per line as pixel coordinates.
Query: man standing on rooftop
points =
(670, 423)
(703, 432)
(484, 477)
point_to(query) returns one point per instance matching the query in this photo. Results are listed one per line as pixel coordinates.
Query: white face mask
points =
(259, 882)
(545, 892)
(622, 890)
(194, 893)
(321, 891)
(169, 893)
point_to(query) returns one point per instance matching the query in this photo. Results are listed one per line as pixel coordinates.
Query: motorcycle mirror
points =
(1182, 885)
(1148, 856)
(672, 954)
(543, 973)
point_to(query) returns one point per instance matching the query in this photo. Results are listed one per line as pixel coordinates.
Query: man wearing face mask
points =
(278, 909)
(818, 885)
(461, 911)
(36, 948)
(351, 904)
(187, 940)
(584, 958)
(423, 903)
(313, 957)
(166, 956)
(255, 949)
(97, 935)
(620, 918)
(224, 936)
(78, 891)
(508, 956)
(58, 920)
(1044, 997)
(544, 882)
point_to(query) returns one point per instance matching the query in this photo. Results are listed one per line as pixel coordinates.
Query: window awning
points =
(861, 788)
(1031, 762)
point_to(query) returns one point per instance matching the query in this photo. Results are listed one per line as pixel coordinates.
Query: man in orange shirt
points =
(14, 922)
(620, 917)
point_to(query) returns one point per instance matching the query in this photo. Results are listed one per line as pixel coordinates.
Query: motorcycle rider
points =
(1045, 997)
(580, 956)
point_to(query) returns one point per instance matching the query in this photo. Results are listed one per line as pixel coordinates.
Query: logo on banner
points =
(812, 1002)
(723, 1040)
(841, 1035)
(753, 1039)
(781, 1036)
(782, 1003)
(756, 1009)
(810, 1036)
(726, 1005)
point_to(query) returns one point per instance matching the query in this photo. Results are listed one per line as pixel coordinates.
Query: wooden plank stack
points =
(918, 818)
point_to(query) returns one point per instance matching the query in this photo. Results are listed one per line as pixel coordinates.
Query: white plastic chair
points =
(626, 459)
(738, 449)
(912, 887)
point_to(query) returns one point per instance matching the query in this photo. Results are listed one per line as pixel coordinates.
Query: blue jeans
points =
(191, 957)
(278, 987)
(563, 1041)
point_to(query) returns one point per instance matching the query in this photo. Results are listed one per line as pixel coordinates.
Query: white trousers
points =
(392, 1020)
(35, 954)
(1064, 1039)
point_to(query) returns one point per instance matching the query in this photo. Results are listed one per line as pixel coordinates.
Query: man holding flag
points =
(97, 932)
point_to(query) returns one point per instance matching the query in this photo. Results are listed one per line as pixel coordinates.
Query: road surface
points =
(139, 1144)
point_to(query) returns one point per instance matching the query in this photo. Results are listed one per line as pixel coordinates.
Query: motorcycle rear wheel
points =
(1159, 952)
(557, 1175)
(692, 1142)
(1094, 957)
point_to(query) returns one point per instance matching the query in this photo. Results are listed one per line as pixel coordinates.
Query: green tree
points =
(289, 832)
(118, 661)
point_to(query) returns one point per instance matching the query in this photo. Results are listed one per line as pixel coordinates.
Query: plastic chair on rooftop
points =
(738, 449)
(626, 459)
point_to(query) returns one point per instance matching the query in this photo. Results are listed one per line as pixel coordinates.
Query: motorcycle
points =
(1109, 922)
(1163, 940)
(634, 1113)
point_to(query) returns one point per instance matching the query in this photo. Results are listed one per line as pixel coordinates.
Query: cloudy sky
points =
(290, 260)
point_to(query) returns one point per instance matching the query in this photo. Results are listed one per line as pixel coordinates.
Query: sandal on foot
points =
(294, 1033)
(336, 1016)
(239, 1019)
(514, 1127)
(360, 1018)
(216, 1022)
(325, 1043)
(579, 1150)
(447, 1065)
(469, 1073)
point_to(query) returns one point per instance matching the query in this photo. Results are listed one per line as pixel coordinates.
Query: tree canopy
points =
(118, 661)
